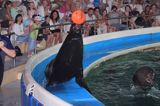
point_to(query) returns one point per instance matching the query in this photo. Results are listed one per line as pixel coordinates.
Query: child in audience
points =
(33, 34)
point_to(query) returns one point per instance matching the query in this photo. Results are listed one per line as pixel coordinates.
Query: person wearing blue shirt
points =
(5, 48)
(96, 3)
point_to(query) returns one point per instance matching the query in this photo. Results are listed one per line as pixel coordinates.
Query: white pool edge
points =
(51, 99)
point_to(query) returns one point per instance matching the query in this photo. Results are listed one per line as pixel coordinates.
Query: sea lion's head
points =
(144, 77)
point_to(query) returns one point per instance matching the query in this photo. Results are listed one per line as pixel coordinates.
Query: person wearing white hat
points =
(33, 34)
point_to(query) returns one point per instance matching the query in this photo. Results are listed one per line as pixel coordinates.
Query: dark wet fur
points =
(140, 76)
(69, 60)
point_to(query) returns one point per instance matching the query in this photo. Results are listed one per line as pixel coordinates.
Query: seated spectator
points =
(136, 5)
(86, 4)
(65, 12)
(143, 20)
(22, 9)
(146, 10)
(91, 17)
(21, 35)
(117, 3)
(2, 11)
(44, 8)
(156, 22)
(96, 3)
(67, 27)
(97, 13)
(158, 6)
(104, 14)
(14, 9)
(8, 6)
(46, 32)
(114, 19)
(87, 29)
(153, 11)
(101, 26)
(56, 30)
(35, 2)
(158, 10)
(129, 17)
(31, 9)
(7, 19)
(103, 4)
(105, 18)
(109, 5)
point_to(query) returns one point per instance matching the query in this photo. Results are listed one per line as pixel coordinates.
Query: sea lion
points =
(144, 78)
(68, 63)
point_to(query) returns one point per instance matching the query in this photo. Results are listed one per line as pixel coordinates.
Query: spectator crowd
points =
(30, 20)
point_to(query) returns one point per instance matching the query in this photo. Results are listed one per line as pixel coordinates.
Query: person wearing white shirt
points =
(109, 4)
(18, 28)
(44, 9)
(19, 31)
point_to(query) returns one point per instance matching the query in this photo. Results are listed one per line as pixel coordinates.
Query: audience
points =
(102, 16)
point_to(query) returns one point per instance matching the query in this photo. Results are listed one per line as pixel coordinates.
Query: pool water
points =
(111, 81)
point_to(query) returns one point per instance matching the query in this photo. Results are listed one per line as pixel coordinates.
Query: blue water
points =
(111, 81)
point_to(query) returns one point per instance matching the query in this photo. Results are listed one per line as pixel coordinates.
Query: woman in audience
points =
(8, 6)
(146, 10)
(14, 10)
(65, 12)
(56, 30)
(8, 22)
(44, 8)
(101, 26)
(129, 20)
(97, 13)
(18, 29)
(31, 9)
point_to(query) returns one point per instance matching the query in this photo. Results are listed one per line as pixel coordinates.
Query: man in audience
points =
(91, 17)
(115, 19)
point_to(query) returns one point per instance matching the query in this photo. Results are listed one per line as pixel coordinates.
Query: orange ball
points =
(78, 17)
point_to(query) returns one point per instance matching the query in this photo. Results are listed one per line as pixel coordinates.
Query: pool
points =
(96, 50)
(114, 78)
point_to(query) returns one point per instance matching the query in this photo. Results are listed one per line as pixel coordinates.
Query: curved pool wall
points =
(96, 49)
